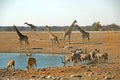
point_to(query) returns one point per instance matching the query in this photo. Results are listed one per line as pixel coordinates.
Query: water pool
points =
(43, 60)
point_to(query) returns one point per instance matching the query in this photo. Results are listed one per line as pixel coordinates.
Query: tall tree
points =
(96, 26)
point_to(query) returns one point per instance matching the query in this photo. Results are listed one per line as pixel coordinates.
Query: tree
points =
(96, 26)
(113, 27)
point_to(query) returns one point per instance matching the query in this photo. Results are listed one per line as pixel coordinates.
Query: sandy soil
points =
(105, 41)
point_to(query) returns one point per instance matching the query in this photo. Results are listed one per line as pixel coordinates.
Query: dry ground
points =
(105, 41)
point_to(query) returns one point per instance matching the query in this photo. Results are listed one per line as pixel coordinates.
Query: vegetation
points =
(96, 26)
(113, 27)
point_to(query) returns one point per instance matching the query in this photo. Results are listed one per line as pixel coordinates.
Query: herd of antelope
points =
(76, 56)
(85, 57)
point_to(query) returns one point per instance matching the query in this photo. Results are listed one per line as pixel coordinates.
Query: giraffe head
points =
(25, 23)
(14, 26)
(28, 55)
(46, 26)
(75, 21)
(72, 25)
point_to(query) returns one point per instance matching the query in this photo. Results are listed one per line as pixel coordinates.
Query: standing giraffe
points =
(22, 38)
(52, 37)
(68, 31)
(31, 25)
(84, 34)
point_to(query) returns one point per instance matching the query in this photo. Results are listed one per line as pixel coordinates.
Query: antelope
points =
(31, 62)
(101, 56)
(67, 59)
(85, 57)
(11, 64)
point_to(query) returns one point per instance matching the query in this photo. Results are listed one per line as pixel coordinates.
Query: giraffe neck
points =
(31, 25)
(28, 24)
(19, 34)
(82, 31)
(72, 25)
(49, 32)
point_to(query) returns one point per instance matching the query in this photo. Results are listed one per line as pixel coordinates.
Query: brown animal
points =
(68, 31)
(31, 62)
(102, 56)
(52, 37)
(74, 58)
(92, 55)
(22, 38)
(11, 64)
(85, 57)
(67, 59)
(84, 33)
(33, 27)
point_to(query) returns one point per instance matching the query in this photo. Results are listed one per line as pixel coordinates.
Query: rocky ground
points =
(105, 41)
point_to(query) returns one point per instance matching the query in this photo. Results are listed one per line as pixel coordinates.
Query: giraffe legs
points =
(56, 41)
(85, 36)
(83, 39)
(26, 43)
(69, 38)
(20, 45)
(51, 43)
(88, 37)
(64, 39)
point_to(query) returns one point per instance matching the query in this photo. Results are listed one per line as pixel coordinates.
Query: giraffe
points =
(84, 34)
(68, 31)
(52, 37)
(22, 38)
(31, 25)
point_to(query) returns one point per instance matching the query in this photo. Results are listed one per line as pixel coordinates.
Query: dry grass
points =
(105, 41)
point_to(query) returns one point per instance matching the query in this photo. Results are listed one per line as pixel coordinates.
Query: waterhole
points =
(43, 60)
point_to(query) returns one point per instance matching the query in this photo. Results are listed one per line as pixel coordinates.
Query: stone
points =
(112, 77)
(42, 77)
(107, 78)
(32, 76)
(64, 78)
(54, 78)
(58, 78)
(91, 74)
(49, 76)
(76, 75)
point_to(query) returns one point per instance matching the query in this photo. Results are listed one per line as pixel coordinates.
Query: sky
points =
(59, 12)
